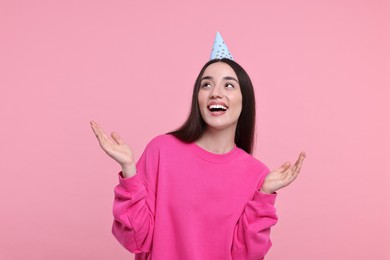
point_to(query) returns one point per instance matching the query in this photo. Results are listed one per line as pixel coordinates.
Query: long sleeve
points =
(134, 205)
(251, 239)
(188, 203)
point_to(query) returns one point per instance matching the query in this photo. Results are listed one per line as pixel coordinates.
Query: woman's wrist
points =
(266, 191)
(128, 170)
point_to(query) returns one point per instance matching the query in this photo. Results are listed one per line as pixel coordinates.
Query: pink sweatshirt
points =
(187, 203)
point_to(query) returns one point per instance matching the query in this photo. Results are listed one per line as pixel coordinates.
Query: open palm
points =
(282, 176)
(116, 148)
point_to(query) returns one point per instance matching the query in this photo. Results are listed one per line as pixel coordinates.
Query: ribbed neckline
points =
(214, 157)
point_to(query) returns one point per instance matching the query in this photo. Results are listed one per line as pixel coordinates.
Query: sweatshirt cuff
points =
(265, 198)
(133, 183)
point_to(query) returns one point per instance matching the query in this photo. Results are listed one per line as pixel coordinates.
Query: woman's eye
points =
(206, 85)
(229, 85)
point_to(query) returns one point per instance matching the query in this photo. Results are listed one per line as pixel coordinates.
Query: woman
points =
(197, 193)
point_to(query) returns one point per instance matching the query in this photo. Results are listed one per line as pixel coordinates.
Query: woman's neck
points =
(217, 141)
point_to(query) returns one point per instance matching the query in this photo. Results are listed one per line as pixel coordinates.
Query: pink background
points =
(321, 73)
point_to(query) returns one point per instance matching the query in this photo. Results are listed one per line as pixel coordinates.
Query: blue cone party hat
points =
(220, 49)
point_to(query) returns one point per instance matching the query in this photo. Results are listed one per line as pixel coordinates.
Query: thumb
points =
(117, 138)
(285, 166)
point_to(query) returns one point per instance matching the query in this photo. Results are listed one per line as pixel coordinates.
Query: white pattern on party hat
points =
(220, 49)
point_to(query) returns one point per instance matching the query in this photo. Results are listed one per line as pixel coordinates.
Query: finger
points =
(94, 129)
(98, 132)
(107, 144)
(302, 156)
(94, 125)
(284, 167)
(117, 138)
(104, 141)
(298, 163)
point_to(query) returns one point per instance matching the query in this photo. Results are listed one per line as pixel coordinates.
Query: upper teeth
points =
(217, 107)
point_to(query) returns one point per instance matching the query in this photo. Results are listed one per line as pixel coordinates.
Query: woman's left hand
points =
(283, 176)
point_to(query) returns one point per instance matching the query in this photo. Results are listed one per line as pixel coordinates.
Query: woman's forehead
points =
(219, 70)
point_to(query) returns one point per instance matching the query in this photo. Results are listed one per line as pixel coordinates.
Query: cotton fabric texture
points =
(187, 203)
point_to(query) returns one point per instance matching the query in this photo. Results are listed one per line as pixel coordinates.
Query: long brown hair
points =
(194, 126)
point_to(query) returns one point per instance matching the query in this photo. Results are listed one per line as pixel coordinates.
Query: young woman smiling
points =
(197, 193)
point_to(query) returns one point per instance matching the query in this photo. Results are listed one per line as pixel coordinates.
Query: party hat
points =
(220, 49)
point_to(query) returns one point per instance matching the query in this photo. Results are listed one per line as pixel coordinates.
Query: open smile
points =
(217, 107)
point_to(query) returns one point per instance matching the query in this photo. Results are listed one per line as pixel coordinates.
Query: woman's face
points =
(219, 97)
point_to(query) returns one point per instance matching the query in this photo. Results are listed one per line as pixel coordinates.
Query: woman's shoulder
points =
(162, 141)
(254, 162)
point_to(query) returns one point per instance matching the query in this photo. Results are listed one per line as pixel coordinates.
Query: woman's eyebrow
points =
(207, 77)
(226, 78)
(231, 78)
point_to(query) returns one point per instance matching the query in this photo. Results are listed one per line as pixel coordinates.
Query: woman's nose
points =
(216, 92)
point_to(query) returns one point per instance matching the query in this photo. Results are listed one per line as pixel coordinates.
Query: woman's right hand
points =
(116, 149)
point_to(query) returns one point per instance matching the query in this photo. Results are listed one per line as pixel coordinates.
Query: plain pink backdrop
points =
(321, 73)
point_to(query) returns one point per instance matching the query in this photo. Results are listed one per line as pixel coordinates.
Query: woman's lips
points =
(217, 109)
